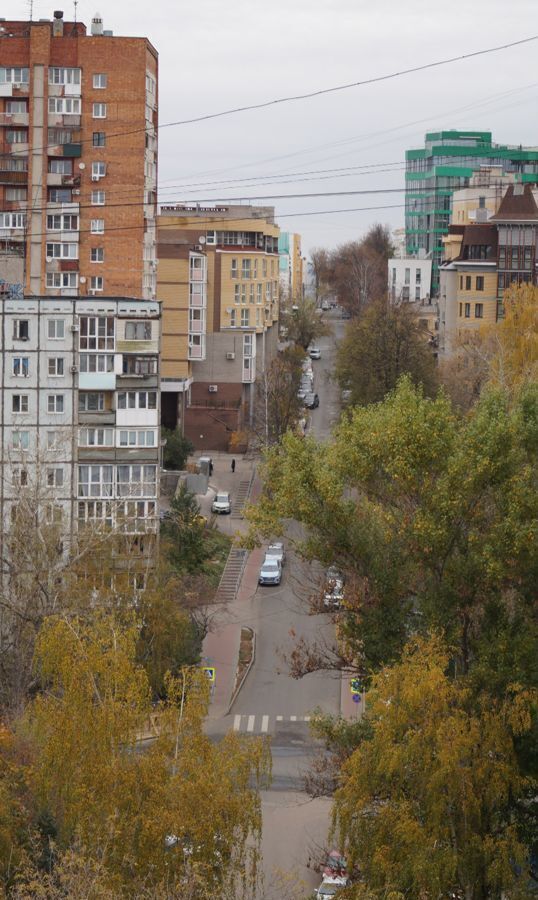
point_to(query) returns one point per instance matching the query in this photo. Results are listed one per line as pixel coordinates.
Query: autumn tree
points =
(425, 803)
(304, 323)
(385, 343)
(320, 270)
(277, 408)
(358, 270)
(183, 812)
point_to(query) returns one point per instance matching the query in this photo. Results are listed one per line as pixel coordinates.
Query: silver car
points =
(222, 503)
(270, 572)
(276, 551)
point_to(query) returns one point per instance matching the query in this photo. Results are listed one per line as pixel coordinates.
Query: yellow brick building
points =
(218, 280)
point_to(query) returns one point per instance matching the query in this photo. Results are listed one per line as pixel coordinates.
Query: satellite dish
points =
(82, 165)
(201, 239)
(49, 259)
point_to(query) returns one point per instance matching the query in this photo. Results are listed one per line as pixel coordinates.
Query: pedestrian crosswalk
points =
(263, 724)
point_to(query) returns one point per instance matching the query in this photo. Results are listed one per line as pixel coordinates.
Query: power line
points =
(311, 94)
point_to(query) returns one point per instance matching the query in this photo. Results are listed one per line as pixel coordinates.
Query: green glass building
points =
(445, 163)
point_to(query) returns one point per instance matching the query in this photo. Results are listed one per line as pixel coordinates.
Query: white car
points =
(334, 588)
(314, 353)
(276, 551)
(222, 503)
(270, 572)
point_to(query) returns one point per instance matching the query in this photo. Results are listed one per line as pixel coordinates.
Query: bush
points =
(176, 449)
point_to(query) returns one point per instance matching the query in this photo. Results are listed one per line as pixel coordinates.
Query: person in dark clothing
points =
(233, 466)
(210, 469)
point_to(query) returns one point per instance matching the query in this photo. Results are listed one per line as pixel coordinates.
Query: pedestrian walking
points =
(233, 466)
(210, 468)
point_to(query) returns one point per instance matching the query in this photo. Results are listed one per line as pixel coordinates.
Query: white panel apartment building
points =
(79, 385)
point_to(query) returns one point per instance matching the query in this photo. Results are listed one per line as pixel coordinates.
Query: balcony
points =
(21, 118)
(10, 177)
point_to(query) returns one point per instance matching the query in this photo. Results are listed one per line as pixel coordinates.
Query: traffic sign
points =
(355, 686)
(356, 698)
(210, 672)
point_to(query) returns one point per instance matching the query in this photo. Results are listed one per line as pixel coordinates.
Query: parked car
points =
(346, 395)
(222, 503)
(334, 588)
(270, 572)
(329, 887)
(335, 865)
(302, 392)
(314, 353)
(311, 400)
(276, 551)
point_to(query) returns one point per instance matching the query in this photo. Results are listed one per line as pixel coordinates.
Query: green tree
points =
(424, 803)
(176, 450)
(184, 533)
(383, 344)
(184, 812)
(304, 323)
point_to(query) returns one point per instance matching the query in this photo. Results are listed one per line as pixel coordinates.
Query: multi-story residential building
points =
(219, 284)
(483, 260)
(409, 280)
(78, 160)
(80, 415)
(447, 162)
(291, 266)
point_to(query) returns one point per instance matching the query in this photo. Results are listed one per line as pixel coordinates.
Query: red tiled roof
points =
(518, 204)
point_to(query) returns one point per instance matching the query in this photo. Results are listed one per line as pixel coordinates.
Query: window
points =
(264, 268)
(100, 81)
(99, 139)
(55, 477)
(137, 481)
(97, 333)
(251, 295)
(255, 275)
(20, 477)
(60, 195)
(138, 331)
(99, 110)
(90, 401)
(97, 226)
(62, 222)
(95, 481)
(97, 362)
(60, 136)
(16, 136)
(417, 292)
(62, 280)
(53, 514)
(62, 251)
(461, 308)
(12, 220)
(64, 76)
(95, 511)
(139, 365)
(137, 438)
(97, 255)
(259, 297)
(237, 293)
(56, 329)
(20, 440)
(21, 366)
(233, 270)
(14, 75)
(467, 282)
(55, 403)
(394, 276)
(407, 276)
(479, 310)
(233, 320)
(461, 282)
(467, 310)
(53, 440)
(417, 276)
(19, 194)
(19, 403)
(61, 166)
(96, 283)
(56, 366)
(481, 202)
(245, 317)
(21, 329)
(98, 198)
(480, 282)
(98, 169)
(65, 106)
(245, 268)
(96, 437)
(243, 293)
(16, 106)
(137, 400)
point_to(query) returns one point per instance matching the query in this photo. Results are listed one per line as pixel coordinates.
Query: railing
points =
(216, 404)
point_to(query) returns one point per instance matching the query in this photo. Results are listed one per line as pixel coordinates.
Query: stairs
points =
(240, 497)
(231, 576)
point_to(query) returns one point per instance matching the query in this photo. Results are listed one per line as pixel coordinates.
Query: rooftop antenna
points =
(31, 5)
(75, 4)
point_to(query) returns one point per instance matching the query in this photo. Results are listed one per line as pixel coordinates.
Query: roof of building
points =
(518, 204)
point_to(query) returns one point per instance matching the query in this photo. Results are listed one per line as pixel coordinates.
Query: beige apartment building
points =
(218, 280)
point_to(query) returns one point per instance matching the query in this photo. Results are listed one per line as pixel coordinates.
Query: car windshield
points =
(270, 564)
(221, 498)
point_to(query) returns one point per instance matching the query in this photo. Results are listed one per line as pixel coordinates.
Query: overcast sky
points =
(217, 54)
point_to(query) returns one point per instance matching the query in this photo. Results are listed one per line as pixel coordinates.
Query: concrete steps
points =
(231, 576)
(239, 498)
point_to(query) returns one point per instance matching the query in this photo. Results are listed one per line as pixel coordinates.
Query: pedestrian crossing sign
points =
(355, 686)
(210, 672)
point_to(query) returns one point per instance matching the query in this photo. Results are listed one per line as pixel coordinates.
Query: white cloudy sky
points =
(217, 54)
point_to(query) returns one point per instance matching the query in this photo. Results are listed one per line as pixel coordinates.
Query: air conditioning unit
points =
(96, 177)
(75, 326)
(230, 356)
(93, 292)
(75, 193)
(213, 388)
(74, 369)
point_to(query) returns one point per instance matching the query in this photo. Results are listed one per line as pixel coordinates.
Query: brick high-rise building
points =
(78, 160)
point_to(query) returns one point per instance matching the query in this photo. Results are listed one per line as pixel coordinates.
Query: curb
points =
(245, 673)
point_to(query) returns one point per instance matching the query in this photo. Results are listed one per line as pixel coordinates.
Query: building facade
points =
(447, 162)
(78, 161)
(290, 266)
(79, 385)
(218, 280)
